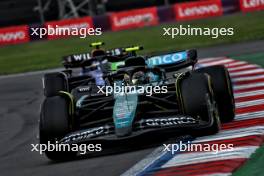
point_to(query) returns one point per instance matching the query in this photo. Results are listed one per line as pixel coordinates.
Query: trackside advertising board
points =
(198, 9)
(251, 5)
(14, 35)
(73, 24)
(134, 18)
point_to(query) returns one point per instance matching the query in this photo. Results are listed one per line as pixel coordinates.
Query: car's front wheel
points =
(53, 83)
(223, 90)
(54, 125)
(197, 100)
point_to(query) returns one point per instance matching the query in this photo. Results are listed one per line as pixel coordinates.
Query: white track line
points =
(144, 163)
(249, 115)
(260, 84)
(258, 70)
(249, 78)
(249, 93)
(225, 61)
(250, 103)
(218, 174)
(237, 63)
(243, 67)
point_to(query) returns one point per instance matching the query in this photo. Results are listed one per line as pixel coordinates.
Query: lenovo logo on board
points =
(251, 5)
(199, 9)
(12, 35)
(134, 18)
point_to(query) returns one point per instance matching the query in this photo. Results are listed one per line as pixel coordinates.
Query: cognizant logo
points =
(167, 59)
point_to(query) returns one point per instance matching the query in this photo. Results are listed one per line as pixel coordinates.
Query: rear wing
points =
(113, 56)
(172, 61)
(75, 60)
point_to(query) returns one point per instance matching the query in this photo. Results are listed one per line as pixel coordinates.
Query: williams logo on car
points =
(251, 5)
(81, 57)
(134, 18)
(200, 9)
(13, 35)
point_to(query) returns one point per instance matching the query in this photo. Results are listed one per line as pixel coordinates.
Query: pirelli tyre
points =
(53, 83)
(54, 125)
(223, 91)
(196, 99)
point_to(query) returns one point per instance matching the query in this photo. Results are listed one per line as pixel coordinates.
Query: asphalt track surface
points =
(20, 98)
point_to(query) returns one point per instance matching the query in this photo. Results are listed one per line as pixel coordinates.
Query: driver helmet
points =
(98, 52)
(139, 77)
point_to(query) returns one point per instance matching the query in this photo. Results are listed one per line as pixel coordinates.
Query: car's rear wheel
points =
(54, 125)
(197, 100)
(223, 90)
(53, 83)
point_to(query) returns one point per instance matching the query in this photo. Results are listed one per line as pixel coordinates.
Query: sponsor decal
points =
(115, 65)
(14, 35)
(83, 135)
(84, 89)
(134, 18)
(199, 9)
(162, 122)
(167, 59)
(115, 52)
(81, 57)
(251, 5)
(76, 58)
(124, 110)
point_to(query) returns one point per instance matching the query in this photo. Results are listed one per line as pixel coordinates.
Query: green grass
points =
(47, 54)
(254, 166)
(257, 58)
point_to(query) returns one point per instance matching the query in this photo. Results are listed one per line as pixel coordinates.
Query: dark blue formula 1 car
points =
(146, 97)
(98, 62)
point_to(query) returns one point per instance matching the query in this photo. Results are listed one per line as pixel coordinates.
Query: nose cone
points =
(124, 112)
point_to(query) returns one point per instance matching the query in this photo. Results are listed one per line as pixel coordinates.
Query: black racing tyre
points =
(196, 95)
(54, 125)
(53, 83)
(223, 91)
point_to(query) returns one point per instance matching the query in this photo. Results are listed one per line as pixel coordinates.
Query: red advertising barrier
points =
(251, 5)
(134, 18)
(14, 35)
(198, 9)
(55, 29)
